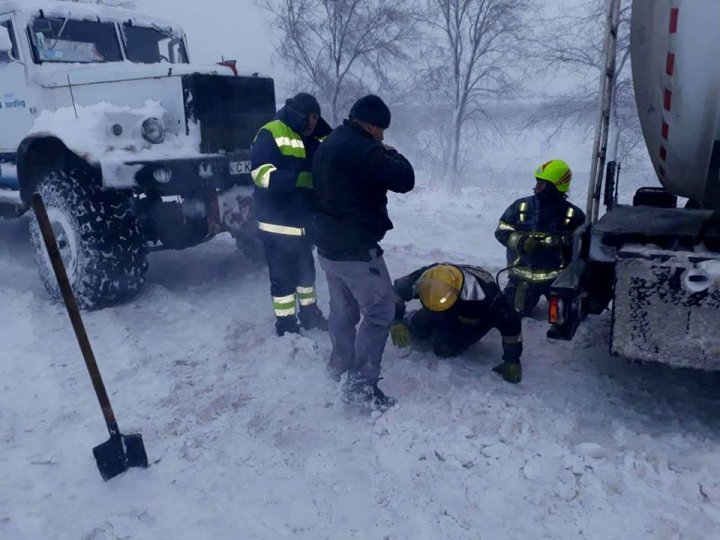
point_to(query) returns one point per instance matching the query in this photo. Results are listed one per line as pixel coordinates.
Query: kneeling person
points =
(460, 305)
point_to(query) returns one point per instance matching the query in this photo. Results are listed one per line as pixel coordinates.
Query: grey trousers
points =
(359, 288)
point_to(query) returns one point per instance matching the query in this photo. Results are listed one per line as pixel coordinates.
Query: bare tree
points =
(342, 48)
(573, 45)
(472, 58)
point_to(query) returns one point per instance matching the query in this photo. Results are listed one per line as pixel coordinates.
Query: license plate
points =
(239, 167)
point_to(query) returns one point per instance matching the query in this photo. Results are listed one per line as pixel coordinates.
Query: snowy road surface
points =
(248, 439)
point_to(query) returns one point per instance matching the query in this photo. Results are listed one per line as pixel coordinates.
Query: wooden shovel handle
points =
(73, 311)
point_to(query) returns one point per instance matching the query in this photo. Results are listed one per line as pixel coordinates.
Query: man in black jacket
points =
(353, 171)
(282, 156)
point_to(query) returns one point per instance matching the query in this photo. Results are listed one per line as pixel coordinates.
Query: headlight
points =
(153, 131)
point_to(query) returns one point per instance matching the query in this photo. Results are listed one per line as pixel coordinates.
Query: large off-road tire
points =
(99, 238)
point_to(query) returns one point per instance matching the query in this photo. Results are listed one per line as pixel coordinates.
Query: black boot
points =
(366, 394)
(311, 317)
(286, 324)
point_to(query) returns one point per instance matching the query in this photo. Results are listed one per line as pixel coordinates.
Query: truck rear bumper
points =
(667, 307)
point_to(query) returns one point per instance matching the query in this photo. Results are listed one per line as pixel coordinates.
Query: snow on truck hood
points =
(56, 75)
(88, 135)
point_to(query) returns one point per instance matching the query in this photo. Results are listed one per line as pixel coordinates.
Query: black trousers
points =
(292, 271)
(524, 296)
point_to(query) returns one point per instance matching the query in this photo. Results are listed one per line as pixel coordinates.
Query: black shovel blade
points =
(119, 453)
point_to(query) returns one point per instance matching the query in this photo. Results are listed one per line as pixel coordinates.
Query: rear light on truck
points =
(555, 310)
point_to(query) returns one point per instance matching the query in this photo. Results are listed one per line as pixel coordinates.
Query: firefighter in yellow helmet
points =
(537, 232)
(460, 304)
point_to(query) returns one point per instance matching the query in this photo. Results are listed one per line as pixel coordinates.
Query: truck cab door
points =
(15, 116)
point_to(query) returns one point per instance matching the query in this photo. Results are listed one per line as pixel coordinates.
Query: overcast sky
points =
(239, 29)
(215, 28)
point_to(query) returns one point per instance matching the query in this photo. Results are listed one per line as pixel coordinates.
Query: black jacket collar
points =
(357, 127)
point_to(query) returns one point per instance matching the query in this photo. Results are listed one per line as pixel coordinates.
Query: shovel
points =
(120, 452)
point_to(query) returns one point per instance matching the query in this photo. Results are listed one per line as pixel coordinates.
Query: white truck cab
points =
(103, 114)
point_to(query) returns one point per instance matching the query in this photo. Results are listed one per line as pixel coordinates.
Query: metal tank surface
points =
(675, 49)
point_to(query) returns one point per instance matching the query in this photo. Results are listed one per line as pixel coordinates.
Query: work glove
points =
(524, 243)
(400, 335)
(529, 244)
(509, 371)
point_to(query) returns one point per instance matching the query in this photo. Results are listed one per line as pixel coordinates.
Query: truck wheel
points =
(99, 239)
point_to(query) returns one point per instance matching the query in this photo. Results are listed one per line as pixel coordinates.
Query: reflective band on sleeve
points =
(523, 206)
(261, 175)
(568, 216)
(306, 296)
(533, 276)
(291, 147)
(521, 217)
(511, 340)
(284, 305)
(502, 226)
(514, 240)
(281, 229)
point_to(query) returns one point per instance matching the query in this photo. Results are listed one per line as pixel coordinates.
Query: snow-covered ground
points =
(248, 439)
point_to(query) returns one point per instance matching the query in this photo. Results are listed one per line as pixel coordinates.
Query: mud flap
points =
(667, 308)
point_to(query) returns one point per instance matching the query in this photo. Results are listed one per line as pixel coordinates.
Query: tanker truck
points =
(655, 263)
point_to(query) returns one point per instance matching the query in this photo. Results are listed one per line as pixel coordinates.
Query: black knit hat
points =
(371, 109)
(304, 103)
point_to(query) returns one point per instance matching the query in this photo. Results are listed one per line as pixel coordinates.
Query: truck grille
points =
(230, 110)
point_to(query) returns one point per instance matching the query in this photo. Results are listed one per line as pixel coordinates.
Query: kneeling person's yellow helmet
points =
(557, 172)
(439, 287)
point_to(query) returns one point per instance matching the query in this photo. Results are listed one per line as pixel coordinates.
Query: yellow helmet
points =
(557, 172)
(439, 287)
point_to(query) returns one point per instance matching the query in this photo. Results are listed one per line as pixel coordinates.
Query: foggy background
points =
(545, 111)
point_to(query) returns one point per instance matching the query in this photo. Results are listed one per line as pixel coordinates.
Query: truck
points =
(655, 263)
(132, 147)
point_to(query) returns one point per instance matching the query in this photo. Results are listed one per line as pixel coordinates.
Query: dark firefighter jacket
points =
(481, 305)
(352, 174)
(281, 169)
(550, 224)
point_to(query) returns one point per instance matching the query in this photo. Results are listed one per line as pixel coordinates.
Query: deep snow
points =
(249, 440)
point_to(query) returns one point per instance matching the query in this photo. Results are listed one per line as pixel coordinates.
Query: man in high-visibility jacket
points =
(460, 304)
(538, 233)
(281, 157)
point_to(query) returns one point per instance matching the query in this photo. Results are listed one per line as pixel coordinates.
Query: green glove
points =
(510, 371)
(304, 180)
(400, 335)
(522, 242)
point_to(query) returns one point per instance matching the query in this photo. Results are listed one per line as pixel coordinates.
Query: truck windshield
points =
(152, 45)
(65, 40)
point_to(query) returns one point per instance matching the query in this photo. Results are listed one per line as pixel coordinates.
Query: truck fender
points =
(38, 154)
